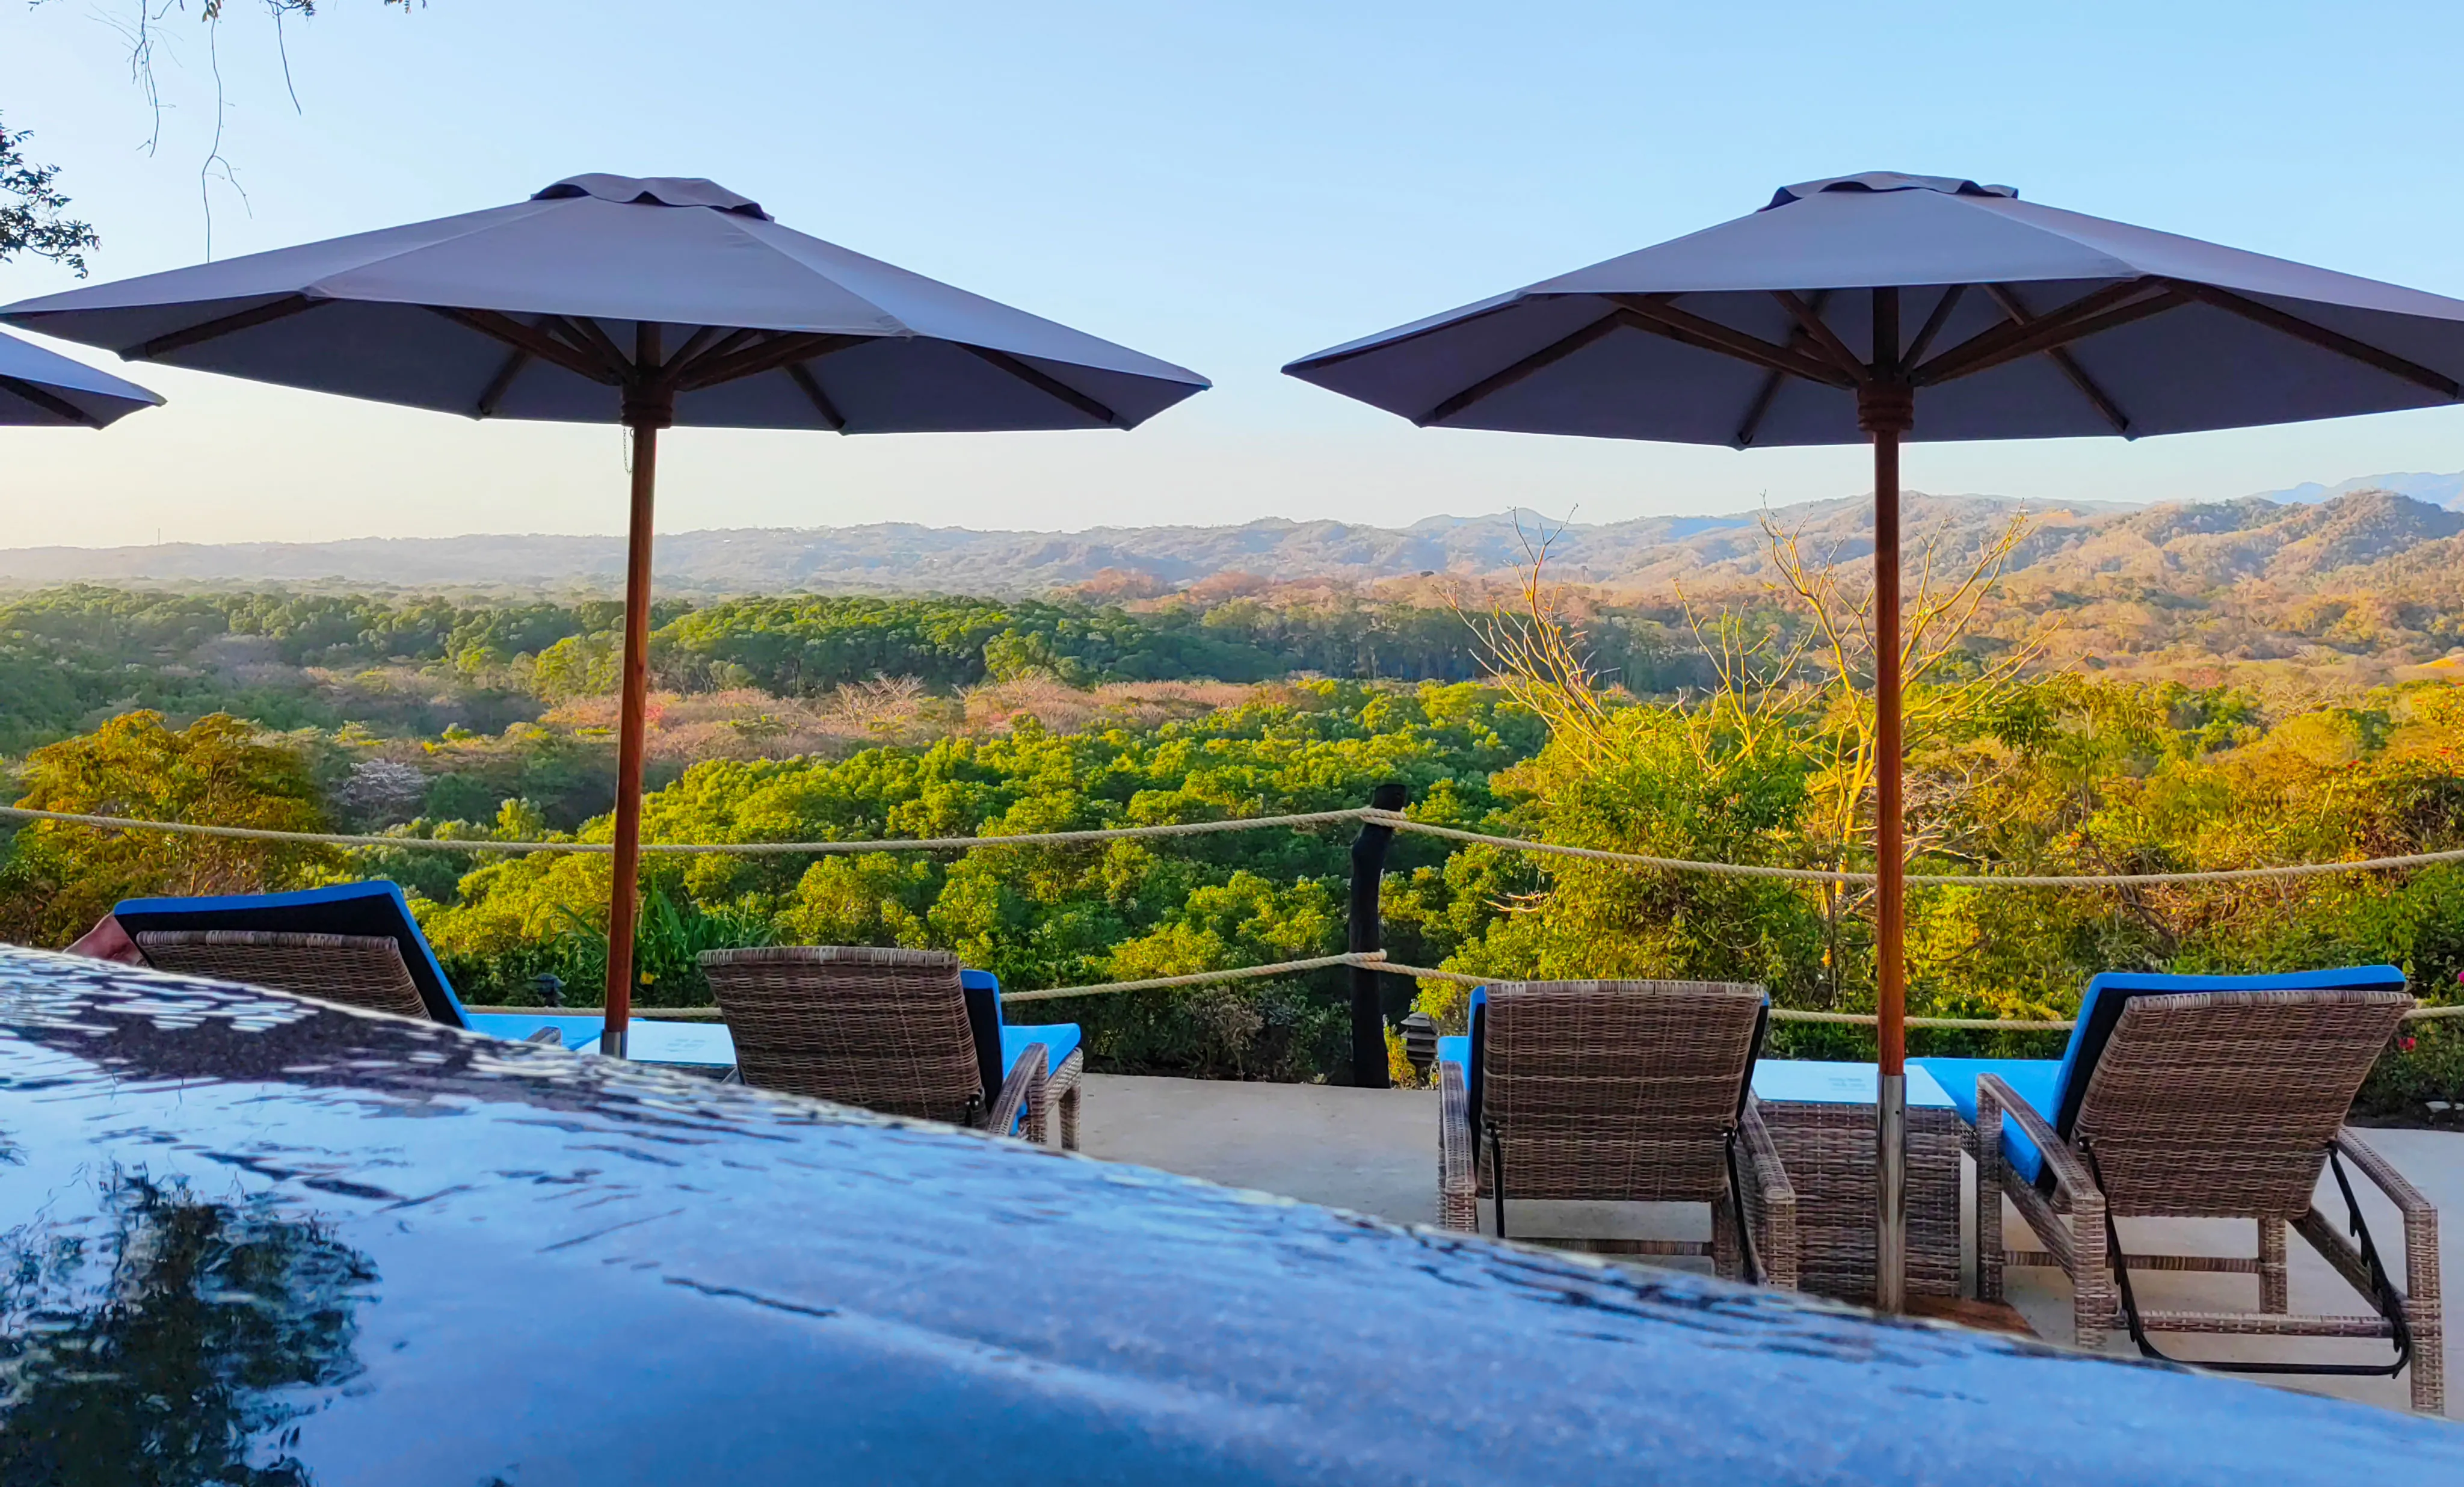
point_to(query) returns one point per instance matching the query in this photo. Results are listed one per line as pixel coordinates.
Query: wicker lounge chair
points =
(2217, 1097)
(899, 1031)
(1632, 1091)
(362, 971)
(351, 943)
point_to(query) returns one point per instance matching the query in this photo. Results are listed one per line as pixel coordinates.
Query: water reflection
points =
(168, 1339)
(596, 1273)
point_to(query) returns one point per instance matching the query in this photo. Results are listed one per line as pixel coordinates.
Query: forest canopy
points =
(858, 718)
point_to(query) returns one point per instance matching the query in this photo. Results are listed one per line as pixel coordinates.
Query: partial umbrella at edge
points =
(40, 387)
(1888, 307)
(650, 302)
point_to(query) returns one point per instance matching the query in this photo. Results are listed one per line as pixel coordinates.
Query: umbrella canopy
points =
(1887, 307)
(38, 386)
(2019, 322)
(606, 298)
(536, 311)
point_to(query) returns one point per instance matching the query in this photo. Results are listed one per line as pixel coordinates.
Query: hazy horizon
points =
(1576, 518)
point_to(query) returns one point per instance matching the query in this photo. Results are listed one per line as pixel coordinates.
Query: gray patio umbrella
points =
(38, 386)
(1892, 307)
(649, 302)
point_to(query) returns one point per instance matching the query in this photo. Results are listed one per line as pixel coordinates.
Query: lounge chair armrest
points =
(1457, 1155)
(1023, 1075)
(1774, 1202)
(2070, 1173)
(2407, 1197)
(548, 1036)
(1763, 1166)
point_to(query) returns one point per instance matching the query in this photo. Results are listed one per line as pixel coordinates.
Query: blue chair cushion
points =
(375, 908)
(1455, 1051)
(2033, 1079)
(575, 1030)
(1060, 1039)
(997, 1045)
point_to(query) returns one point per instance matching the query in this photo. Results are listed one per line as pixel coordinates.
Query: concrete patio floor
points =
(1374, 1151)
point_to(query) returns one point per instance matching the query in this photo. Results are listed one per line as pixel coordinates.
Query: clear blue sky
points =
(1226, 185)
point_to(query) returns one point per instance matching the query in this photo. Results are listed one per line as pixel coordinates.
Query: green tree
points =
(58, 879)
(33, 209)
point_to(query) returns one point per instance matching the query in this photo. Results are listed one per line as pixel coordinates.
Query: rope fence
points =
(1927, 879)
(1374, 960)
(1367, 815)
(692, 848)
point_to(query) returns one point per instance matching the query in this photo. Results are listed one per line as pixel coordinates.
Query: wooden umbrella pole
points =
(646, 413)
(1886, 410)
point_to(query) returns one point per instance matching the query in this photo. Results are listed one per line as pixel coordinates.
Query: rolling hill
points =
(2189, 548)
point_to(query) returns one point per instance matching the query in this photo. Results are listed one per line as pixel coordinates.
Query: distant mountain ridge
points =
(2183, 546)
(2446, 490)
(904, 557)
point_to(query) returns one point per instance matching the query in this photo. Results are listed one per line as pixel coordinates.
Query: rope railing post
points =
(1369, 1070)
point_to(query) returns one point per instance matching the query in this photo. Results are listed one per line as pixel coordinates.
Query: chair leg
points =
(1728, 1259)
(1459, 1164)
(1039, 1106)
(2091, 1289)
(2424, 1312)
(1069, 1117)
(1988, 1197)
(2273, 1295)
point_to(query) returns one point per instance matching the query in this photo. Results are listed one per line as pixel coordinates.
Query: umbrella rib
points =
(493, 396)
(498, 326)
(212, 330)
(48, 402)
(1815, 372)
(2078, 331)
(766, 355)
(2009, 340)
(813, 393)
(2318, 336)
(1654, 313)
(1043, 383)
(2009, 300)
(1760, 408)
(1383, 343)
(592, 340)
(688, 362)
(688, 351)
(1547, 356)
(1934, 323)
(1810, 323)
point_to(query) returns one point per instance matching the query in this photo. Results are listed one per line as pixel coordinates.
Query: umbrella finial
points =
(1888, 181)
(653, 192)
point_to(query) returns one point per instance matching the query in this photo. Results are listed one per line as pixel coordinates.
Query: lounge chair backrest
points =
(1616, 1089)
(371, 908)
(983, 994)
(2223, 1102)
(883, 1029)
(359, 970)
(2109, 992)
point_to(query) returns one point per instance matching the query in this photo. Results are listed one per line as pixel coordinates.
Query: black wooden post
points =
(1368, 865)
